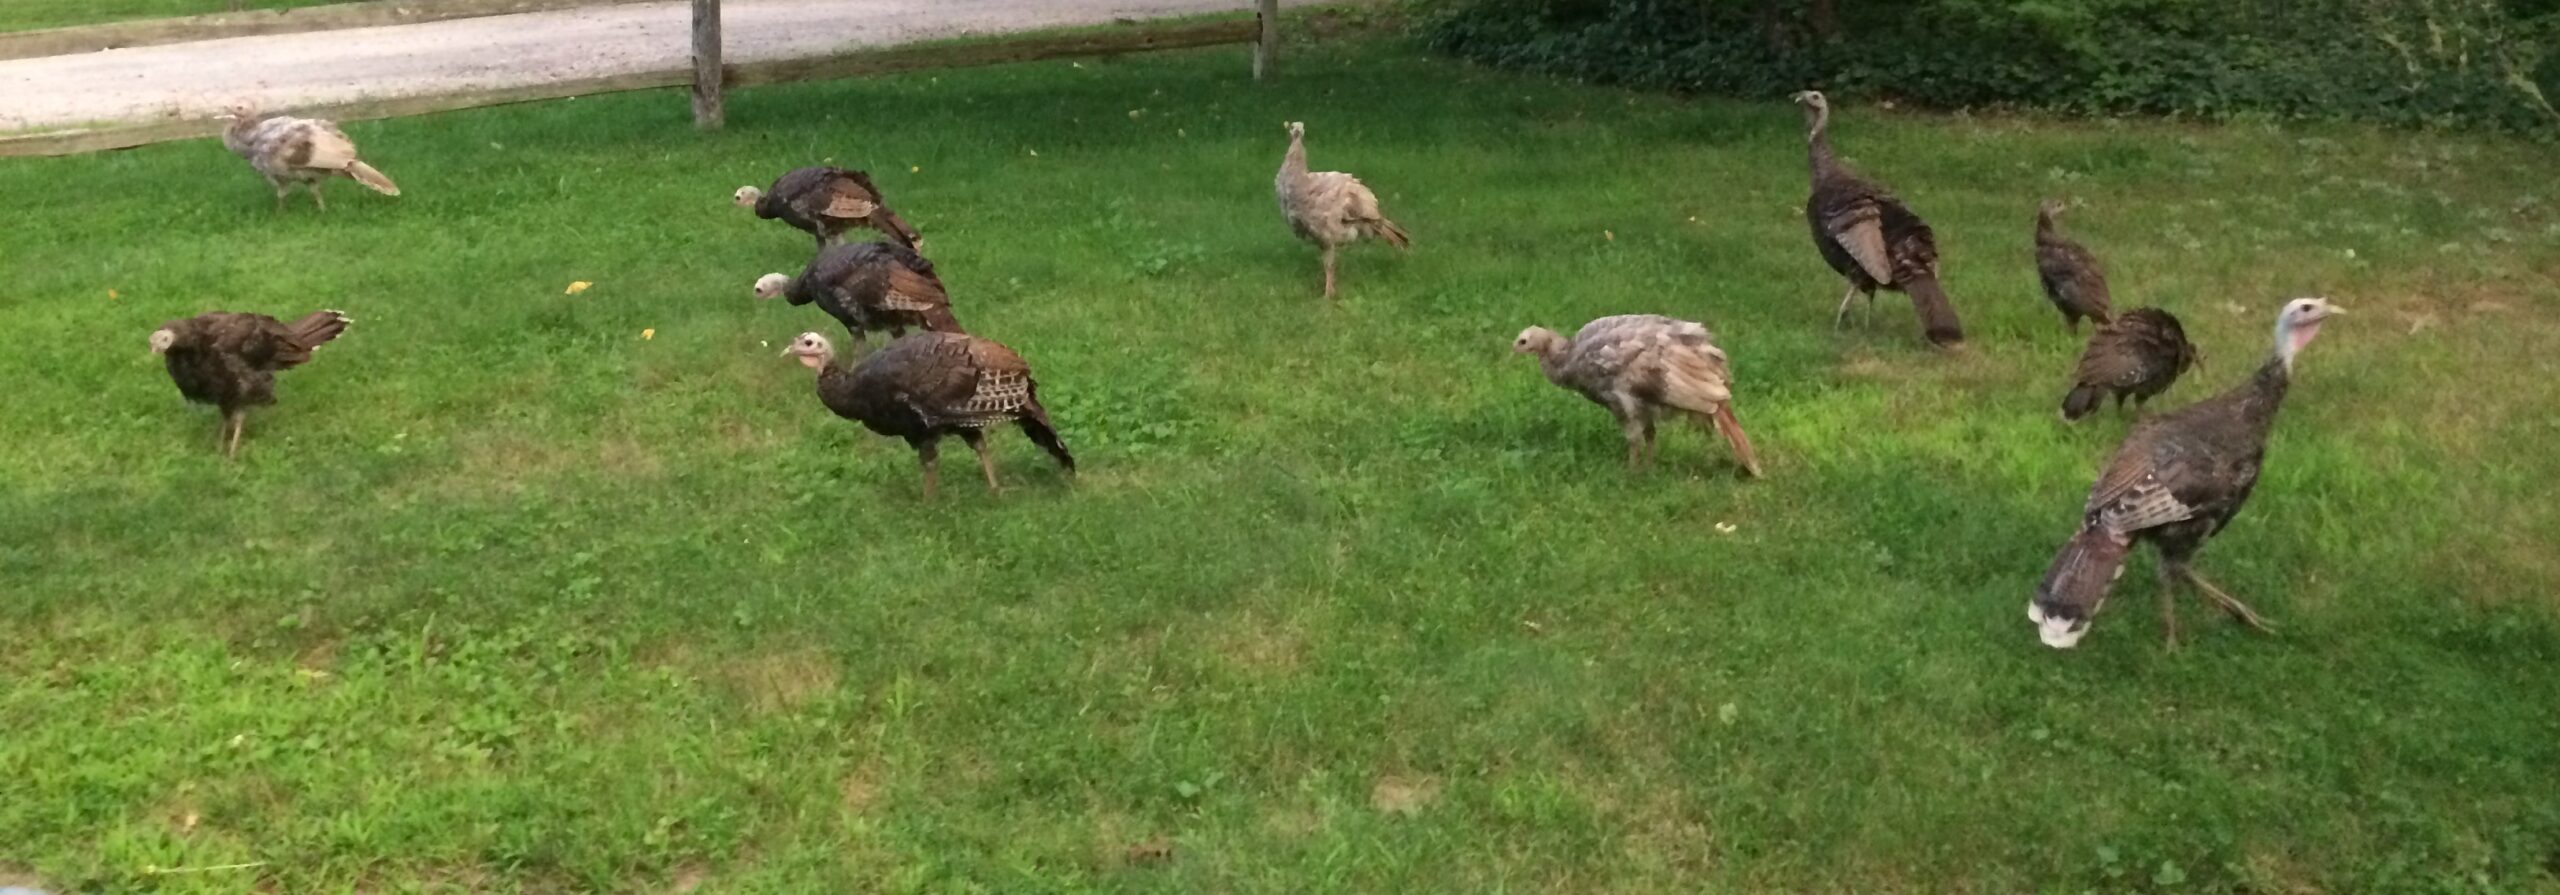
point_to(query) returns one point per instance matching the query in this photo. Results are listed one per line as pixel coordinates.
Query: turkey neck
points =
(2047, 229)
(235, 136)
(1818, 146)
(1294, 164)
(1552, 359)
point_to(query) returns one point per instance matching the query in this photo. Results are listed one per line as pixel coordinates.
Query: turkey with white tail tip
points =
(289, 150)
(1638, 365)
(869, 286)
(928, 385)
(1870, 237)
(1329, 208)
(824, 202)
(2177, 480)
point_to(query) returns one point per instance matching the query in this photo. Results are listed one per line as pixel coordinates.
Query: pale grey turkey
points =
(824, 202)
(869, 286)
(287, 151)
(1639, 365)
(928, 385)
(2071, 276)
(2138, 356)
(2177, 480)
(1870, 237)
(230, 360)
(1328, 208)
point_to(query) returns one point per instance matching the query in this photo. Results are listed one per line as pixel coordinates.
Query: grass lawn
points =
(23, 15)
(518, 591)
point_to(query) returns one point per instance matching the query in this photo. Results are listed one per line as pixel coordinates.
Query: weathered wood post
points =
(707, 111)
(1266, 47)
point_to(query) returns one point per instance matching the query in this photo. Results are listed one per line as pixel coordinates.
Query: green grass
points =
(25, 15)
(504, 597)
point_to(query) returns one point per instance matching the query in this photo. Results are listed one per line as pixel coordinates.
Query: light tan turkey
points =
(1639, 365)
(1329, 208)
(288, 150)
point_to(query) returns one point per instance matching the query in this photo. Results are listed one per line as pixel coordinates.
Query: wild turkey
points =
(1329, 208)
(2178, 479)
(1870, 237)
(2072, 279)
(928, 385)
(230, 360)
(868, 286)
(299, 150)
(1638, 365)
(2139, 355)
(824, 202)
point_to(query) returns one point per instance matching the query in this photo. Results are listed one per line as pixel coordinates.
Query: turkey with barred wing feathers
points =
(869, 286)
(2177, 480)
(1870, 237)
(929, 385)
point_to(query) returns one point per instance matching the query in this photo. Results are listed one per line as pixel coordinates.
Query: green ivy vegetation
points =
(2485, 64)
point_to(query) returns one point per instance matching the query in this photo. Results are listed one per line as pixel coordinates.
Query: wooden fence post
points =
(1266, 48)
(707, 111)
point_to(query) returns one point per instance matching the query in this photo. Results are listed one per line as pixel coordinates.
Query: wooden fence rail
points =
(1028, 48)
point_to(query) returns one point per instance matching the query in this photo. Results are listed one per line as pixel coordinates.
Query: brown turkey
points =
(1639, 365)
(230, 360)
(1870, 237)
(1328, 208)
(824, 202)
(869, 286)
(928, 385)
(2177, 480)
(2071, 276)
(2139, 355)
(289, 150)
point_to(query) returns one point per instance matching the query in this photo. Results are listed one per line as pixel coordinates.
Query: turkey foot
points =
(1328, 273)
(2169, 607)
(1840, 318)
(2237, 609)
(930, 459)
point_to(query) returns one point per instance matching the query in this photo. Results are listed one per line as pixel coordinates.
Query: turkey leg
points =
(929, 456)
(986, 462)
(1328, 271)
(2238, 610)
(315, 195)
(281, 188)
(234, 421)
(1841, 318)
(2169, 606)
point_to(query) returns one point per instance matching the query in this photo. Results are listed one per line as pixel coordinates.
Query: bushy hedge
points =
(2492, 64)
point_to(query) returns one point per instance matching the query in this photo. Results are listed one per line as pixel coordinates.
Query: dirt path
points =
(281, 71)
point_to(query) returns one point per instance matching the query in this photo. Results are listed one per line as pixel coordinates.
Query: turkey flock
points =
(2176, 479)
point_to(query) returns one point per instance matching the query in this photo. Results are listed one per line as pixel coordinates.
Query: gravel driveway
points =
(280, 71)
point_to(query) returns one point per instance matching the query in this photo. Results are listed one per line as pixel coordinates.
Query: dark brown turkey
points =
(288, 150)
(230, 360)
(1870, 237)
(2138, 356)
(1638, 365)
(869, 286)
(928, 385)
(2177, 480)
(2072, 278)
(824, 202)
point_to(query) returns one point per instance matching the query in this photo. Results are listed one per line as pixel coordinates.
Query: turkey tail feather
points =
(2082, 574)
(2082, 401)
(897, 229)
(1036, 424)
(1731, 429)
(365, 174)
(1937, 314)
(317, 328)
(1394, 235)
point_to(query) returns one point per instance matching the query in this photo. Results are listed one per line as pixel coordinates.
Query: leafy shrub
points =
(2490, 64)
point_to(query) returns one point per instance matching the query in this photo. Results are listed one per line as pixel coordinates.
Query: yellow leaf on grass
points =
(647, 334)
(111, 295)
(577, 287)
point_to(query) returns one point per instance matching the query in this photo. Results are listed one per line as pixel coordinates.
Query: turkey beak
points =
(787, 352)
